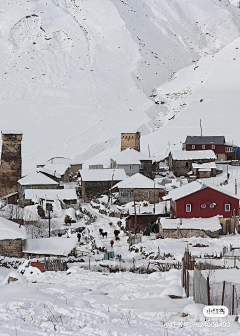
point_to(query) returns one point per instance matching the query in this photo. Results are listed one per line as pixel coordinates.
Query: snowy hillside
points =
(75, 74)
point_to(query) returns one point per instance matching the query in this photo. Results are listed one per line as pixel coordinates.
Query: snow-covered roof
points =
(54, 169)
(53, 246)
(11, 132)
(50, 194)
(211, 224)
(193, 155)
(193, 187)
(36, 178)
(11, 230)
(207, 165)
(62, 160)
(130, 156)
(137, 181)
(103, 174)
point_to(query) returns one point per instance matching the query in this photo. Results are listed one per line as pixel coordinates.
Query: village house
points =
(39, 196)
(223, 150)
(60, 169)
(35, 180)
(139, 188)
(12, 238)
(180, 162)
(205, 170)
(189, 227)
(132, 162)
(97, 182)
(199, 199)
(49, 247)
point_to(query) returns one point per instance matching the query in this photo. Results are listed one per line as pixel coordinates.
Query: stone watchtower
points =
(11, 162)
(130, 140)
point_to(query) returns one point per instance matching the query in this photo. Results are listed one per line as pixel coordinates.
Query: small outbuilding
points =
(50, 247)
(12, 238)
(189, 227)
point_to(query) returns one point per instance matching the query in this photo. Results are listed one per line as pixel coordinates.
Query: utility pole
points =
(201, 126)
(154, 199)
(49, 209)
(135, 217)
(112, 185)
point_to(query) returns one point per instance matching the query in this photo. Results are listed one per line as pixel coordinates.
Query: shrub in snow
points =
(174, 292)
(13, 277)
(193, 309)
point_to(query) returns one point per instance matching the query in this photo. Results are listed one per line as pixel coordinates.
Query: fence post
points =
(187, 283)
(234, 261)
(208, 291)
(223, 292)
(233, 300)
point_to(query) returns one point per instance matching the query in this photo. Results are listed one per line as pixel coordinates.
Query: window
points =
(227, 207)
(187, 164)
(229, 149)
(193, 146)
(211, 206)
(203, 146)
(188, 207)
(146, 194)
(203, 206)
(213, 146)
(141, 166)
(130, 167)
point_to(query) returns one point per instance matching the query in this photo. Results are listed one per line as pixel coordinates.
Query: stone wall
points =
(147, 168)
(91, 189)
(130, 140)
(11, 248)
(146, 195)
(182, 167)
(187, 233)
(11, 163)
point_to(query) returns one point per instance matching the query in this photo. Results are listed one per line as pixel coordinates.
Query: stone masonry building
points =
(130, 140)
(11, 162)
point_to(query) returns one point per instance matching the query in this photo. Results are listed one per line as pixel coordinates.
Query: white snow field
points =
(75, 74)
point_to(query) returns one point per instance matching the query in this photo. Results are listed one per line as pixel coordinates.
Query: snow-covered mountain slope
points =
(76, 73)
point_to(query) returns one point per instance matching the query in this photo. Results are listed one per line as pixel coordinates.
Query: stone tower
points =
(130, 140)
(11, 162)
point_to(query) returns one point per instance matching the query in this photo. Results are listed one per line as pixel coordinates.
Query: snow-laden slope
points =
(76, 73)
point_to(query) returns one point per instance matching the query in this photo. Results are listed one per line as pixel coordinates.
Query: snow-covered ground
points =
(76, 73)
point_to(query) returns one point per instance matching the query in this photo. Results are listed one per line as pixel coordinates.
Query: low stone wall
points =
(11, 248)
(187, 233)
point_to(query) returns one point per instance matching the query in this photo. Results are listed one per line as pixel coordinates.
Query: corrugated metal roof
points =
(205, 140)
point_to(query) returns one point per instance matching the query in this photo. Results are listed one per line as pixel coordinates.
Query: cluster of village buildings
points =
(197, 208)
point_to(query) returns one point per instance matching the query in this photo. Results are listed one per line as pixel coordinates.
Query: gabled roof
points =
(55, 169)
(193, 155)
(137, 181)
(36, 178)
(207, 165)
(11, 230)
(130, 156)
(102, 174)
(193, 187)
(205, 140)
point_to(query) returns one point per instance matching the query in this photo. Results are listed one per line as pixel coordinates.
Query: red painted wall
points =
(206, 196)
(219, 149)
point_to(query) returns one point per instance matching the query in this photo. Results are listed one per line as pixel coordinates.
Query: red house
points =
(223, 150)
(199, 199)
